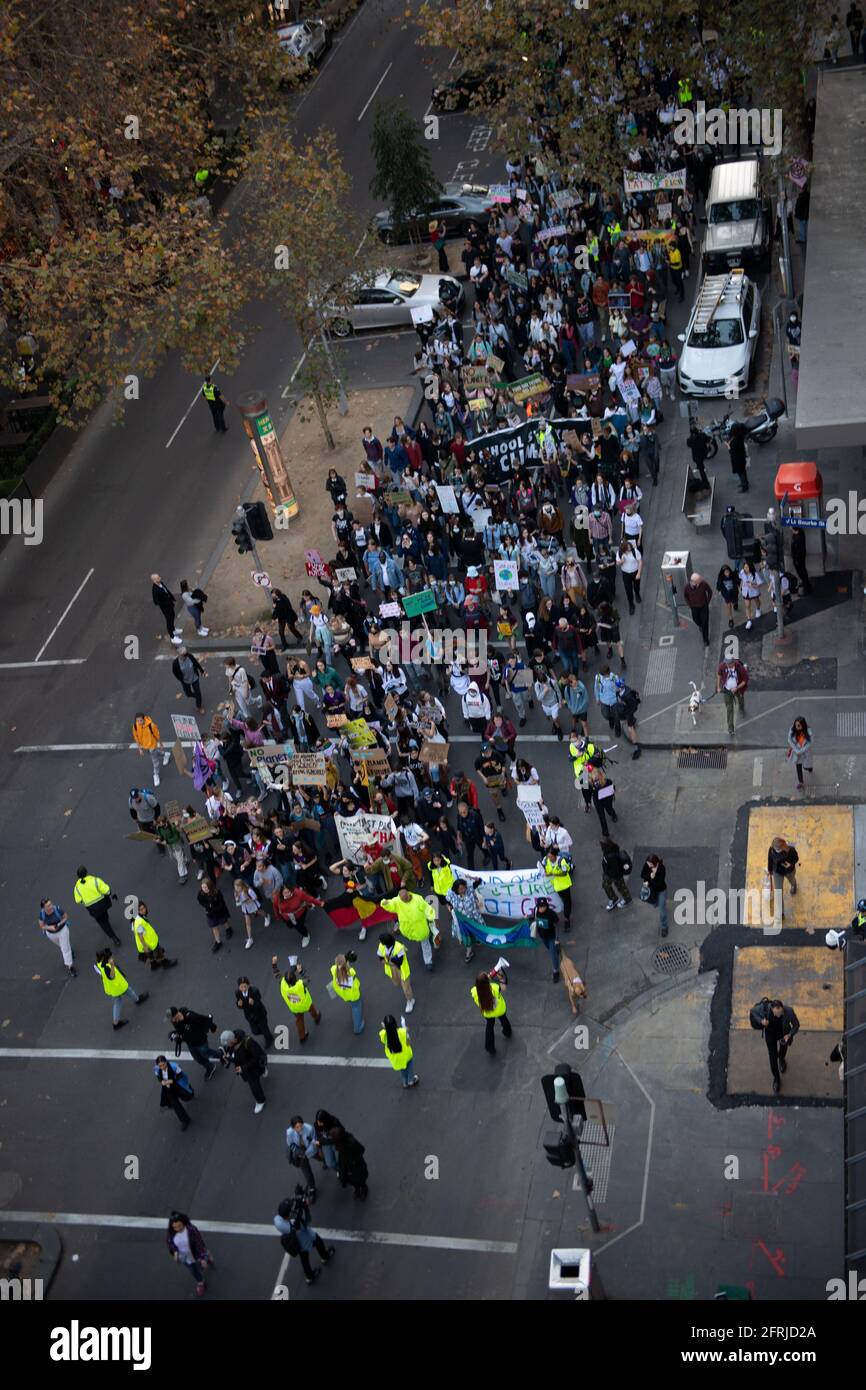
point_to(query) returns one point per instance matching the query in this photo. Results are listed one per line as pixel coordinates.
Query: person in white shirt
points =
(476, 708)
(239, 688)
(554, 835)
(632, 525)
(750, 591)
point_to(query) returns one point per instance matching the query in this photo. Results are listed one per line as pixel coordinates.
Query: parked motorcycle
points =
(761, 427)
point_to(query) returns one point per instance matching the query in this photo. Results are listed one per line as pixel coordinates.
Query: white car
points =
(388, 301)
(722, 334)
(306, 41)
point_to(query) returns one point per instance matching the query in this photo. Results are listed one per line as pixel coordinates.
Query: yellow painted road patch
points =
(809, 978)
(824, 838)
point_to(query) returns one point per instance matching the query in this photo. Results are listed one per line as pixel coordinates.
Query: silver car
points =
(389, 301)
(306, 41)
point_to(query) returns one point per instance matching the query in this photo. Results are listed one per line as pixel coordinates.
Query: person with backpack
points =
(615, 864)
(174, 1088)
(782, 861)
(779, 1024)
(582, 753)
(732, 680)
(188, 671)
(249, 1060)
(625, 709)
(194, 601)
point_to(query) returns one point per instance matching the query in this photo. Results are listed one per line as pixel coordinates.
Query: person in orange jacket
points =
(146, 735)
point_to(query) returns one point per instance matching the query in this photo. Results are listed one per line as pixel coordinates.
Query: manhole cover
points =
(669, 960)
(703, 757)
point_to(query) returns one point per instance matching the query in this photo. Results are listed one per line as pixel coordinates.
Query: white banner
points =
(648, 183)
(356, 832)
(529, 801)
(512, 893)
(447, 499)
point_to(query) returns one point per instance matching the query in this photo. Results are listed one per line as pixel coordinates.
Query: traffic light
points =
(241, 535)
(559, 1149)
(773, 549)
(258, 521)
(576, 1093)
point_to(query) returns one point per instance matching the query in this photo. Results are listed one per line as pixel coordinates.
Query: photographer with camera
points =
(297, 1236)
(192, 1028)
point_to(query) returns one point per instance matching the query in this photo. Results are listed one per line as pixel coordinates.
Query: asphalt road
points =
(157, 494)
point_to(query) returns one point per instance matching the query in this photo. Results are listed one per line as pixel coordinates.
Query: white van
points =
(737, 218)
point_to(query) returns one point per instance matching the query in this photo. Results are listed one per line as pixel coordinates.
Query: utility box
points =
(571, 1270)
(799, 488)
(676, 568)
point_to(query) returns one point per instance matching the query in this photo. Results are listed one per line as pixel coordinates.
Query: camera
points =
(351, 957)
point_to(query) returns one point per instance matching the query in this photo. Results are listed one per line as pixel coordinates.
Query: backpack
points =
(290, 1243)
(758, 1013)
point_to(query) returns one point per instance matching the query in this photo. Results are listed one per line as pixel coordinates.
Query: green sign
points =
(422, 602)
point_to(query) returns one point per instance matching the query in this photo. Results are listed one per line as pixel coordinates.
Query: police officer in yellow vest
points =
(684, 91)
(558, 868)
(487, 995)
(398, 1049)
(115, 986)
(296, 996)
(414, 915)
(582, 753)
(858, 921)
(94, 894)
(395, 960)
(675, 265)
(147, 941)
(347, 986)
(214, 398)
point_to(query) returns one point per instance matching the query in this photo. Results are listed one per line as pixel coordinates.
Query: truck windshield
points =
(740, 210)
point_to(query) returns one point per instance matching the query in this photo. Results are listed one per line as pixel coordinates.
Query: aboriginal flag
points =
(351, 909)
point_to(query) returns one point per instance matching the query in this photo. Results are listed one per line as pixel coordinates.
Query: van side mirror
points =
(753, 332)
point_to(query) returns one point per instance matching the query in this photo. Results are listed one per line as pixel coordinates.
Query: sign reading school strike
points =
(365, 831)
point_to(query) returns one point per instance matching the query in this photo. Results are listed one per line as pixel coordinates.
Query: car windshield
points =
(405, 285)
(719, 333)
(740, 210)
(294, 42)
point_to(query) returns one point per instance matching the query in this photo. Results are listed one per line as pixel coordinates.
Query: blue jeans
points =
(357, 1015)
(663, 911)
(548, 585)
(570, 661)
(552, 947)
(203, 1054)
(407, 1073)
(196, 1271)
(115, 1003)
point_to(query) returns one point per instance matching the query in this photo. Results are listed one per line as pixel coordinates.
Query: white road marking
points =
(190, 743)
(647, 1161)
(454, 59)
(28, 665)
(244, 1228)
(63, 614)
(189, 408)
(109, 1054)
(758, 772)
(375, 90)
(281, 1278)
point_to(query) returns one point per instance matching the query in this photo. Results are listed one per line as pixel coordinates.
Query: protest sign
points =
(525, 387)
(628, 347)
(447, 499)
(511, 893)
(422, 315)
(345, 576)
(583, 382)
(517, 278)
(474, 377)
(358, 732)
(499, 192)
(530, 803)
(504, 935)
(335, 721)
(664, 211)
(650, 183)
(181, 761)
(309, 770)
(434, 753)
(629, 391)
(186, 728)
(477, 404)
(364, 830)
(616, 300)
(315, 564)
(548, 233)
(564, 199)
(480, 518)
(497, 364)
(361, 663)
(399, 498)
(390, 610)
(196, 829)
(422, 602)
(506, 576)
(375, 760)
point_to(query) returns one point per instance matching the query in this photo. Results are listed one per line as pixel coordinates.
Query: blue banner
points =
(504, 935)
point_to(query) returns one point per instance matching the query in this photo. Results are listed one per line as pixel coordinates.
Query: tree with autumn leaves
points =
(568, 69)
(109, 255)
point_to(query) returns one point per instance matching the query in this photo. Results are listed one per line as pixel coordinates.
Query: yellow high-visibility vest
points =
(350, 991)
(209, 392)
(443, 878)
(556, 868)
(498, 1001)
(398, 958)
(114, 985)
(400, 1059)
(146, 938)
(297, 997)
(89, 890)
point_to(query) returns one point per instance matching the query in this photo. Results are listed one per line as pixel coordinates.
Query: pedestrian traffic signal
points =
(576, 1093)
(258, 521)
(559, 1149)
(773, 550)
(241, 535)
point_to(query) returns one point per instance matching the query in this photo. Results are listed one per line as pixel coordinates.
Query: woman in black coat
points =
(351, 1167)
(655, 888)
(248, 998)
(215, 910)
(285, 617)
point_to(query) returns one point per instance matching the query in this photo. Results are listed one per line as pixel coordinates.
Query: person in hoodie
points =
(476, 708)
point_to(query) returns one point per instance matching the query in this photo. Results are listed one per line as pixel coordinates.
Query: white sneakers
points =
(267, 919)
(202, 631)
(305, 941)
(166, 758)
(258, 1108)
(248, 943)
(156, 779)
(362, 934)
(410, 1004)
(748, 624)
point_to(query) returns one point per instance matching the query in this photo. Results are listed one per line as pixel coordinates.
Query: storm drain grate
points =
(670, 960)
(851, 724)
(703, 757)
(596, 1156)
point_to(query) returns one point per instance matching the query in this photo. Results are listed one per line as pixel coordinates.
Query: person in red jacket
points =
(502, 734)
(462, 789)
(291, 905)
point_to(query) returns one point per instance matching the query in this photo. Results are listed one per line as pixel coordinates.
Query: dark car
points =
(457, 208)
(480, 88)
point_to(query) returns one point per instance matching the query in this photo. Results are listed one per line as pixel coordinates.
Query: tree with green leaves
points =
(303, 246)
(404, 177)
